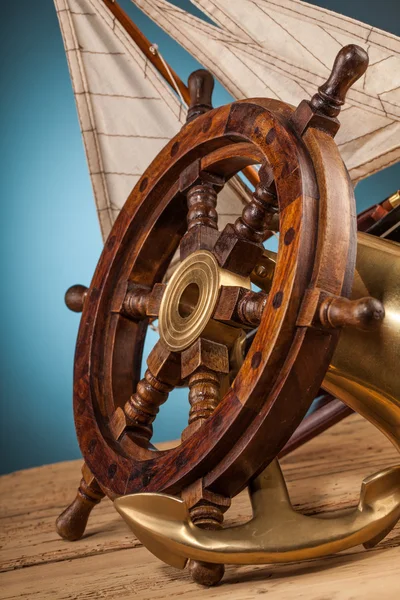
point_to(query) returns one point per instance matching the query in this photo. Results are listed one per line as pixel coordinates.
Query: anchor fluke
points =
(146, 514)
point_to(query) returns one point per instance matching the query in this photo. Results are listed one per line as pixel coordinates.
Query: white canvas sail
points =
(127, 112)
(285, 50)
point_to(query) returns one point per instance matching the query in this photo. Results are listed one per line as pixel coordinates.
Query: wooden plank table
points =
(108, 563)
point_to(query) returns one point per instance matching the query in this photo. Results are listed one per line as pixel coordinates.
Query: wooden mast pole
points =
(175, 81)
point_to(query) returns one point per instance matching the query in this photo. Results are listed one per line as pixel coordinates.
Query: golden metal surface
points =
(364, 371)
(394, 199)
(276, 533)
(190, 300)
(263, 273)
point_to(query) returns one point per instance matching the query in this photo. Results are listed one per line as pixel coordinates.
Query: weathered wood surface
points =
(108, 563)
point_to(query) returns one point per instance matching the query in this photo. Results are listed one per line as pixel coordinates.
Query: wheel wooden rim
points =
(316, 251)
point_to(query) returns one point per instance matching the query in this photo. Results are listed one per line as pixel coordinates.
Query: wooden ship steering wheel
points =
(245, 403)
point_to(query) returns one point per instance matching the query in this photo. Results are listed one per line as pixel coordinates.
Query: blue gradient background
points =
(50, 237)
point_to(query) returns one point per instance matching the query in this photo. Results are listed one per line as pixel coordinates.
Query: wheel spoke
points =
(203, 365)
(240, 306)
(199, 186)
(202, 202)
(257, 216)
(239, 246)
(141, 302)
(162, 375)
(201, 189)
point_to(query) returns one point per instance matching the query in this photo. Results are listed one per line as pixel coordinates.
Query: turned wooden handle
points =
(201, 85)
(365, 313)
(71, 524)
(350, 64)
(75, 297)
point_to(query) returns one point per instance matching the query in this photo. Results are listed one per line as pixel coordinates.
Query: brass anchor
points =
(276, 533)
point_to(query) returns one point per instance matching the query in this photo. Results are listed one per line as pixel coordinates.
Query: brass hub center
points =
(189, 300)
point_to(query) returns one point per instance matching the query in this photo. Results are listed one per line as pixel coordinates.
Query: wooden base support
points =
(207, 574)
(71, 523)
(206, 511)
(206, 516)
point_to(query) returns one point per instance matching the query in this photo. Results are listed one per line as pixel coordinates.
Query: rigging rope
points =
(154, 50)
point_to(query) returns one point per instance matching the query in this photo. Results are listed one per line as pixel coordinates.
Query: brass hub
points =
(191, 298)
